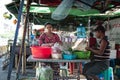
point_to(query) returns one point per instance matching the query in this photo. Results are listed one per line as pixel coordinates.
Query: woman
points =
(101, 54)
(48, 38)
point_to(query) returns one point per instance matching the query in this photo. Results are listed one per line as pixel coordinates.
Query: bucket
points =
(41, 52)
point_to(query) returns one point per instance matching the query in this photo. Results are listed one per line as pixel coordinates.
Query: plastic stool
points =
(64, 70)
(107, 74)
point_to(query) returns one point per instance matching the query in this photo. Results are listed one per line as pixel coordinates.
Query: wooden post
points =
(23, 40)
(16, 61)
(24, 60)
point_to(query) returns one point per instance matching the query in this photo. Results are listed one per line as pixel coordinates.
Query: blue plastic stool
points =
(107, 74)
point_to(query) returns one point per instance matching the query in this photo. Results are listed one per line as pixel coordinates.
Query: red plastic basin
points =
(41, 52)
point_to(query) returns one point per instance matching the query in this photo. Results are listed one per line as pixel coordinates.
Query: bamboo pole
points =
(24, 60)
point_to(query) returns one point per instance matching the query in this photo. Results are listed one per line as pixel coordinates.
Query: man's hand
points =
(88, 48)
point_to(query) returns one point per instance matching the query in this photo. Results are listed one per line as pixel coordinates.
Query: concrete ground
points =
(4, 73)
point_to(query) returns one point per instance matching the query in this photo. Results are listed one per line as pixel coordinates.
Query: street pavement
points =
(4, 73)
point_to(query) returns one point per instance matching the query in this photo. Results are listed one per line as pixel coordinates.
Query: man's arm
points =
(101, 50)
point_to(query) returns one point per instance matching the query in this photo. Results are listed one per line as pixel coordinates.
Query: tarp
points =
(14, 6)
(73, 11)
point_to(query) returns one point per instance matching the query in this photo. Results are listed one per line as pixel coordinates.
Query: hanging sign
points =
(115, 30)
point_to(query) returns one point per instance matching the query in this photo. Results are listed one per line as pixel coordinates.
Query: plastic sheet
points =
(83, 6)
(62, 10)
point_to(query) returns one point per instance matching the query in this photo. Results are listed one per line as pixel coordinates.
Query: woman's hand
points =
(51, 44)
(60, 43)
(48, 44)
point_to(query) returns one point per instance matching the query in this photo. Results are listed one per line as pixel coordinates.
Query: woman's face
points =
(97, 34)
(48, 28)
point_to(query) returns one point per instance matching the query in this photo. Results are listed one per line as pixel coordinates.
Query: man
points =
(101, 54)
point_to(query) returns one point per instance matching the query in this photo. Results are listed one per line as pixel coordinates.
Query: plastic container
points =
(69, 56)
(82, 54)
(81, 32)
(41, 52)
(56, 56)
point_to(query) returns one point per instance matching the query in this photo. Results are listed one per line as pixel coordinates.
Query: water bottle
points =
(81, 32)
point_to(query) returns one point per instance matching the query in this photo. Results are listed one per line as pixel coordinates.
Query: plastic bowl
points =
(69, 56)
(41, 52)
(82, 54)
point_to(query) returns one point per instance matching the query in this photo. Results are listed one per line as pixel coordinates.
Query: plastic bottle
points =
(81, 32)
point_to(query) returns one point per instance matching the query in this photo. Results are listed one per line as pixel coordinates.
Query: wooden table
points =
(32, 59)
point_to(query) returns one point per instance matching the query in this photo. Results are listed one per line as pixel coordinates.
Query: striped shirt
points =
(46, 39)
(105, 55)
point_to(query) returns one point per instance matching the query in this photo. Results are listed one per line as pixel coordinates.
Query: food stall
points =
(48, 10)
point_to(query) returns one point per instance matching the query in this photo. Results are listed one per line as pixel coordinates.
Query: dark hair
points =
(91, 34)
(47, 23)
(100, 28)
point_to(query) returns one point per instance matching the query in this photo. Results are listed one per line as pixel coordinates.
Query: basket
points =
(82, 54)
(41, 52)
(69, 56)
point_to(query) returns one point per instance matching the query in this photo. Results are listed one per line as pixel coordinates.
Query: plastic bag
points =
(45, 73)
(57, 48)
(80, 44)
(62, 10)
(57, 51)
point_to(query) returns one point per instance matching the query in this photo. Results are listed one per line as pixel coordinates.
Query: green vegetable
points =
(70, 49)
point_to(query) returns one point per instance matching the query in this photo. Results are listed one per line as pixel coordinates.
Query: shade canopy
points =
(42, 13)
(74, 11)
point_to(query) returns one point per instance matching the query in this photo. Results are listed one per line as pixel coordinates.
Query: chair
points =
(107, 74)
